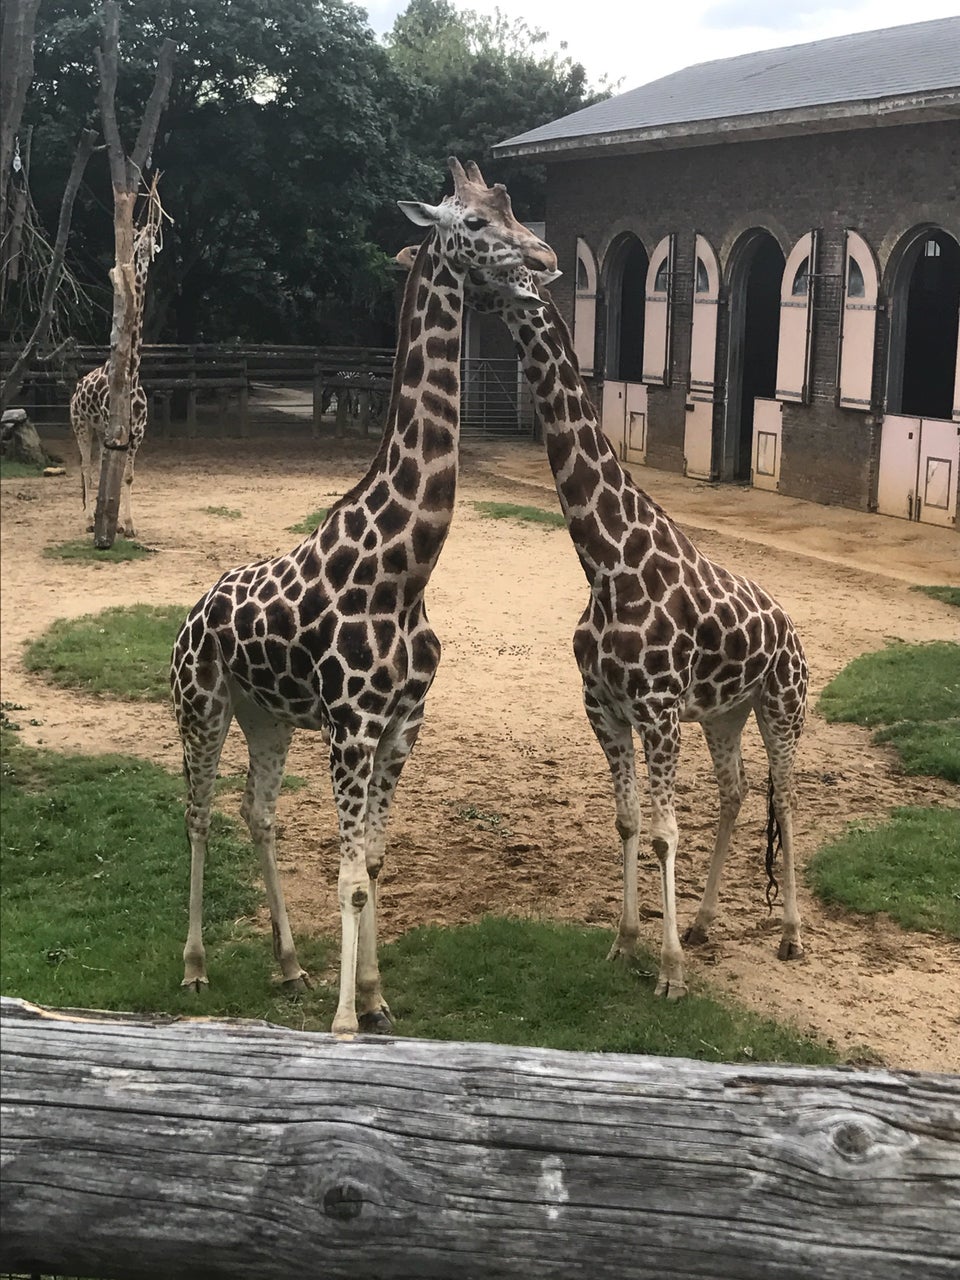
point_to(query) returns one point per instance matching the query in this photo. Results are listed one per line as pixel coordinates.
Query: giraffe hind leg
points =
(268, 741)
(723, 739)
(780, 737)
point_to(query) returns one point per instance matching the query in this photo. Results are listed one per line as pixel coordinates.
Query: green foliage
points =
(908, 867)
(12, 469)
(913, 690)
(525, 514)
(124, 651)
(83, 550)
(228, 513)
(529, 982)
(96, 874)
(948, 595)
(310, 522)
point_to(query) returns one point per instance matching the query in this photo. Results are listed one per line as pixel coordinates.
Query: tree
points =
(479, 80)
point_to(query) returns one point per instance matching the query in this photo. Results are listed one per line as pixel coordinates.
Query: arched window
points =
(703, 279)
(801, 280)
(585, 308)
(661, 281)
(856, 288)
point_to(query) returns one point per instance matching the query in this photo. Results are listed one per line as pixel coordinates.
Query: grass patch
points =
(515, 511)
(948, 595)
(909, 867)
(913, 691)
(13, 469)
(310, 522)
(82, 549)
(124, 651)
(228, 513)
(539, 983)
(95, 883)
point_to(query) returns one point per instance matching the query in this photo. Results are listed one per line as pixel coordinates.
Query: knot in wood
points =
(852, 1140)
(343, 1202)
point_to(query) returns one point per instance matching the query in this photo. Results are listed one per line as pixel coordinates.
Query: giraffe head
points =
(148, 239)
(476, 228)
(496, 292)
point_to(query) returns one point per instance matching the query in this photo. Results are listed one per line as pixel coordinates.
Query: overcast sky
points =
(635, 41)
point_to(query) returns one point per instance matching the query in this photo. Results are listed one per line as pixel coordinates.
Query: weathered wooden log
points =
(189, 1149)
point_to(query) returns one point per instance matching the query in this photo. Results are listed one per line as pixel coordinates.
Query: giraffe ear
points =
(424, 215)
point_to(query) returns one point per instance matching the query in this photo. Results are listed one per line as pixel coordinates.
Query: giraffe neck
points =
(136, 340)
(408, 494)
(587, 472)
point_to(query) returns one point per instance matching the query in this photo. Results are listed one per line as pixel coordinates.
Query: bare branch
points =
(16, 72)
(11, 386)
(154, 109)
(108, 65)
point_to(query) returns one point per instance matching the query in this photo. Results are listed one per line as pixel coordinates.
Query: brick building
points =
(767, 276)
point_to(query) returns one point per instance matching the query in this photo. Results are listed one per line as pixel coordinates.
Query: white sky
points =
(635, 41)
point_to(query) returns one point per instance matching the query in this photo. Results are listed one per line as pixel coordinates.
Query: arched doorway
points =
(925, 298)
(755, 278)
(626, 285)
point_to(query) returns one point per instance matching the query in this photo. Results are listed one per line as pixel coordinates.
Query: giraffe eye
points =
(475, 224)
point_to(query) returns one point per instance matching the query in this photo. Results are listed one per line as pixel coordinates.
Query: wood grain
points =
(188, 1149)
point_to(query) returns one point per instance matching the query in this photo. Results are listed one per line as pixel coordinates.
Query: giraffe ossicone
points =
(667, 636)
(334, 636)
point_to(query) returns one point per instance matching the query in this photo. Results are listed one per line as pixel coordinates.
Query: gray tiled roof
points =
(872, 65)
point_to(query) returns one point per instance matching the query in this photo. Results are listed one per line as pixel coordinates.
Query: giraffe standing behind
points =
(90, 402)
(667, 636)
(334, 636)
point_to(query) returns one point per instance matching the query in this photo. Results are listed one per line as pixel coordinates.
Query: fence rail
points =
(180, 1149)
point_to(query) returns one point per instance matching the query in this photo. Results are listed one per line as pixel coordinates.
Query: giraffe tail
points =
(774, 845)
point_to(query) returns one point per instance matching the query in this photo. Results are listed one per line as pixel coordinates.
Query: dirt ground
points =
(506, 804)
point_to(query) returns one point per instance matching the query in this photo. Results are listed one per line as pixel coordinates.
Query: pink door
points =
(919, 469)
(613, 413)
(767, 437)
(635, 425)
(698, 422)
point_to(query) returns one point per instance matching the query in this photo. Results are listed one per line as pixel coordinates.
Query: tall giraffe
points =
(90, 402)
(334, 636)
(667, 636)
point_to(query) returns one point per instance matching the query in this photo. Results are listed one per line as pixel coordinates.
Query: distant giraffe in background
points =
(667, 636)
(334, 636)
(90, 402)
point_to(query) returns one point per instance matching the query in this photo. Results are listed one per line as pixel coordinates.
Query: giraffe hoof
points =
(695, 936)
(196, 985)
(671, 988)
(623, 949)
(296, 986)
(789, 950)
(376, 1023)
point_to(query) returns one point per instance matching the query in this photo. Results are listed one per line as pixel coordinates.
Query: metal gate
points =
(495, 399)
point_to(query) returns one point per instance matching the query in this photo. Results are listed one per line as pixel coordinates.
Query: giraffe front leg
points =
(780, 737)
(125, 522)
(87, 489)
(661, 744)
(616, 738)
(351, 765)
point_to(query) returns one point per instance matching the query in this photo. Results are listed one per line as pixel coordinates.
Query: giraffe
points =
(334, 635)
(667, 636)
(90, 402)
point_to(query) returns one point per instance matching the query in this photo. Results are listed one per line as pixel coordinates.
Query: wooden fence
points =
(195, 1149)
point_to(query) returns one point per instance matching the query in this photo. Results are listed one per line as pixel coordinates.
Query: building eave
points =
(923, 107)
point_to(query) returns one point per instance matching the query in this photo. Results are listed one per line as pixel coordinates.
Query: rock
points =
(19, 439)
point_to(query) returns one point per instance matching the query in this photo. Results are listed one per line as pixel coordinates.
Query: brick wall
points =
(880, 182)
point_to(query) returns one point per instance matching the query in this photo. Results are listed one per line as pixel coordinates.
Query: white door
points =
(937, 476)
(899, 457)
(796, 317)
(635, 425)
(698, 423)
(585, 308)
(613, 414)
(919, 469)
(656, 323)
(767, 439)
(698, 440)
(858, 318)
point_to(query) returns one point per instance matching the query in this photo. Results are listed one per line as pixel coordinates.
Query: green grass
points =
(948, 595)
(913, 691)
(528, 982)
(228, 513)
(94, 914)
(124, 652)
(310, 522)
(525, 514)
(909, 867)
(95, 881)
(82, 549)
(11, 469)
